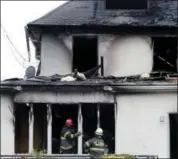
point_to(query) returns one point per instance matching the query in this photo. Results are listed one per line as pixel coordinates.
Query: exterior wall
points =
(56, 55)
(126, 55)
(139, 130)
(123, 56)
(61, 97)
(7, 127)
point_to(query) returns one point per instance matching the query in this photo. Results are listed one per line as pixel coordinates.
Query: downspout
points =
(28, 44)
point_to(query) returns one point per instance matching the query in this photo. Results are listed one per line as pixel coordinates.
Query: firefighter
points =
(68, 138)
(96, 145)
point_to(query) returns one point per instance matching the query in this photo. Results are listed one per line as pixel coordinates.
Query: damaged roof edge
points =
(143, 89)
(11, 89)
(106, 88)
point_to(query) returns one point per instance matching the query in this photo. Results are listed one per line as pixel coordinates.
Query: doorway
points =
(85, 53)
(173, 136)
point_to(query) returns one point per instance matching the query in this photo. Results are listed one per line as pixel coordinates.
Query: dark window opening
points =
(21, 128)
(40, 127)
(59, 115)
(173, 136)
(165, 54)
(85, 53)
(89, 113)
(126, 4)
(107, 121)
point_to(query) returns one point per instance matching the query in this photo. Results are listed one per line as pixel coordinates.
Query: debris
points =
(68, 79)
(145, 75)
(14, 79)
(172, 79)
(162, 59)
(79, 75)
(92, 72)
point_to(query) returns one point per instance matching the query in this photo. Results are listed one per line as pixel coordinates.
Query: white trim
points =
(98, 116)
(49, 129)
(80, 128)
(63, 97)
(31, 129)
(115, 117)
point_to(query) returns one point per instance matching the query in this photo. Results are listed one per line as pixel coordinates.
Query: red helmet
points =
(69, 122)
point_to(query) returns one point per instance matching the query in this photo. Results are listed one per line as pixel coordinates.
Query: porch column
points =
(31, 126)
(98, 115)
(49, 129)
(80, 128)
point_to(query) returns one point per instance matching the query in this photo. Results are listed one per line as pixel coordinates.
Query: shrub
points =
(121, 156)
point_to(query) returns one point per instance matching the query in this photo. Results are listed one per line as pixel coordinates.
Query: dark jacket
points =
(68, 138)
(96, 146)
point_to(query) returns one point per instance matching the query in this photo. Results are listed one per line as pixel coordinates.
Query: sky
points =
(14, 16)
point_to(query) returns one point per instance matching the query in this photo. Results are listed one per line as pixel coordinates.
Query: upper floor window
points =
(126, 4)
(165, 54)
(85, 53)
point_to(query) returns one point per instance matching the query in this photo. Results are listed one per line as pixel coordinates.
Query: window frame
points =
(49, 127)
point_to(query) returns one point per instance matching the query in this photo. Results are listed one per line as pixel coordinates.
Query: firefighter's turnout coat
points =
(96, 146)
(68, 139)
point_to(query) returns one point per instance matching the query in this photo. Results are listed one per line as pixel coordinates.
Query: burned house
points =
(128, 56)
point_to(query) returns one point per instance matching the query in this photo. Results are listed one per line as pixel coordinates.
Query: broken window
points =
(126, 4)
(89, 114)
(99, 115)
(59, 115)
(85, 53)
(107, 123)
(21, 128)
(165, 54)
(38, 126)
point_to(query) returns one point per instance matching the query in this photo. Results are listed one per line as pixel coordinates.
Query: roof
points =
(77, 13)
(161, 81)
(90, 16)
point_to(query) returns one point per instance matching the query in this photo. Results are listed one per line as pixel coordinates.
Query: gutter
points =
(141, 89)
(10, 89)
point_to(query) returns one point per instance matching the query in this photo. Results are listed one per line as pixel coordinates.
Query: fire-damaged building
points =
(104, 64)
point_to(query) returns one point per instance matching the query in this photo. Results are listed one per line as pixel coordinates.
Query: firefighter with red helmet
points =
(68, 138)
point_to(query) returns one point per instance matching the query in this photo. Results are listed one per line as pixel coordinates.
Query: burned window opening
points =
(89, 114)
(165, 54)
(99, 115)
(21, 128)
(85, 53)
(173, 135)
(34, 131)
(59, 114)
(40, 127)
(126, 4)
(107, 122)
